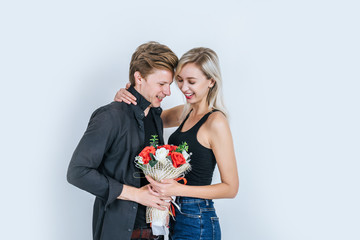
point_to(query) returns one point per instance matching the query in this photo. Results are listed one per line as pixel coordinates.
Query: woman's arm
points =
(222, 145)
(171, 117)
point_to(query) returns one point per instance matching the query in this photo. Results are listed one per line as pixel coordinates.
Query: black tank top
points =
(202, 159)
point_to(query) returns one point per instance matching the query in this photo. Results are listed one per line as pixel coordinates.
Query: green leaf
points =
(153, 161)
(154, 141)
(181, 147)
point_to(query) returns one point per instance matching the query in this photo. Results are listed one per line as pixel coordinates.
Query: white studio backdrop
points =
(291, 85)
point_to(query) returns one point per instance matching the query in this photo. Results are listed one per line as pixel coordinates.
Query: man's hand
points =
(123, 95)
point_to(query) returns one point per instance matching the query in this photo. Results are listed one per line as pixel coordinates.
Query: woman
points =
(203, 125)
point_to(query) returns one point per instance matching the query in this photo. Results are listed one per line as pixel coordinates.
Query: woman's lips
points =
(189, 96)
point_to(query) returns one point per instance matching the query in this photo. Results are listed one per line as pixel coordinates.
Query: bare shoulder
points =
(217, 121)
(219, 132)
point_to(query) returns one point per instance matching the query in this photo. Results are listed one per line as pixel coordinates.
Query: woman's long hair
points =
(208, 62)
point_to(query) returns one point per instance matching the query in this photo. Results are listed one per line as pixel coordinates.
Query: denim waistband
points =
(193, 200)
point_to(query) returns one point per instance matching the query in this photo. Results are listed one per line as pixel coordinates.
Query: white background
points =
(291, 84)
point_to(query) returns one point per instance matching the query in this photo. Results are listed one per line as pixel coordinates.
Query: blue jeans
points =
(197, 220)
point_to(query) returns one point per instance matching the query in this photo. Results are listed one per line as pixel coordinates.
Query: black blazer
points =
(104, 160)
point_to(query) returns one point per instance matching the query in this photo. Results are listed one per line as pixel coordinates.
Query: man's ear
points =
(138, 77)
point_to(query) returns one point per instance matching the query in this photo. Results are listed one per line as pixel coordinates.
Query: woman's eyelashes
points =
(179, 80)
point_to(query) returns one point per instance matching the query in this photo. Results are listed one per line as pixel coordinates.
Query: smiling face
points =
(155, 86)
(193, 83)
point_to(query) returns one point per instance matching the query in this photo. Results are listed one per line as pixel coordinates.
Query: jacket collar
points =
(138, 109)
(142, 103)
(140, 100)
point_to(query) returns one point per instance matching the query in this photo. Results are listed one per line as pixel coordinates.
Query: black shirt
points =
(104, 160)
(150, 130)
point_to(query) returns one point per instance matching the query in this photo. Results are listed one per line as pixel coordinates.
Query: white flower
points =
(161, 154)
(185, 154)
(139, 159)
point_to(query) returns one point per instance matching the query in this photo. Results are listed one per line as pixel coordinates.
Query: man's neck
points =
(146, 111)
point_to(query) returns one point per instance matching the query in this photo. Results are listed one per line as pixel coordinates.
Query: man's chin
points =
(155, 104)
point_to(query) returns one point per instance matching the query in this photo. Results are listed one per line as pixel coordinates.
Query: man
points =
(103, 162)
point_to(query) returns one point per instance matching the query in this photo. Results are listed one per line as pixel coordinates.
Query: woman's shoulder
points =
(218, 128)
(217, 122)
(217, 118)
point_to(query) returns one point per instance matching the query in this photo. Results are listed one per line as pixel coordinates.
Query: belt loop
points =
(207, 202)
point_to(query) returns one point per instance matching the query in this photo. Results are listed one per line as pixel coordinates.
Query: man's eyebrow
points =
(165, 82)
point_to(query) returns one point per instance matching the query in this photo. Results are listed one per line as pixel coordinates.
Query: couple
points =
(103, 162)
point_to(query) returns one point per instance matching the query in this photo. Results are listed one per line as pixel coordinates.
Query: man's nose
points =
(167, 90)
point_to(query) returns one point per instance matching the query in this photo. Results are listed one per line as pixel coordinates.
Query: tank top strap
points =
(182, 124)
(202, 120)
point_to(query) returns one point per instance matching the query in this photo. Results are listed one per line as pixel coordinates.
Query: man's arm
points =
(83, 168)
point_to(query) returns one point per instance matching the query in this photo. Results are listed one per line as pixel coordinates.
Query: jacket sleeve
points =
(83, 171)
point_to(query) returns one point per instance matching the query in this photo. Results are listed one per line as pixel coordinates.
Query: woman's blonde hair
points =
(208, 62)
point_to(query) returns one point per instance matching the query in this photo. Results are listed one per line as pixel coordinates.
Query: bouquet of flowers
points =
(160, 162)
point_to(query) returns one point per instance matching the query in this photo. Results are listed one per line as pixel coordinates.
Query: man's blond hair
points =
(150, 56)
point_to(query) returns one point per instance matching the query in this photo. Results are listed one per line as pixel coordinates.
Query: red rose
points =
(177, 159)
(171, 148)
(145, 154)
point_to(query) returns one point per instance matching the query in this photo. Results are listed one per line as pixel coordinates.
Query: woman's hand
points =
(123, 95)
(147, 198)
(167, 187)
(144, 196)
